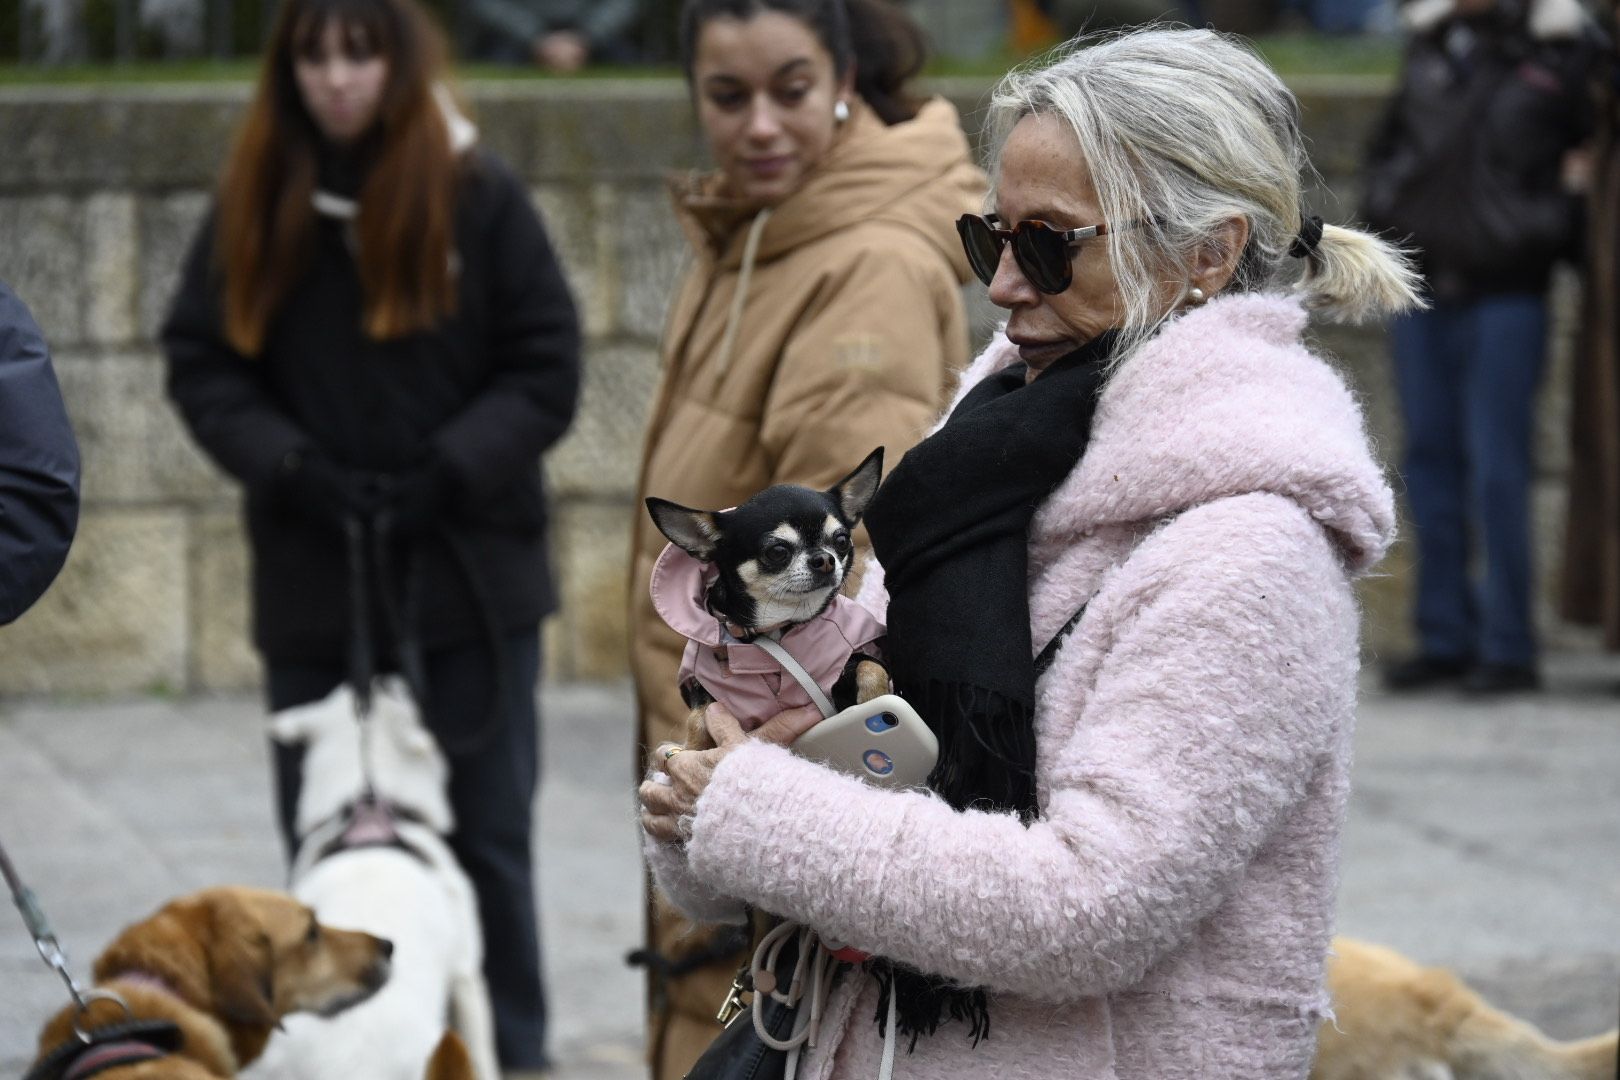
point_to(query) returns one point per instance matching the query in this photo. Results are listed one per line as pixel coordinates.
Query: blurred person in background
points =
(372, 334)
(560, 36)
(822, 316)
(39, 463)
(1591, 582)
(1469, 168)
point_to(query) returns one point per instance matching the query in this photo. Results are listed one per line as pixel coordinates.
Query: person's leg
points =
(492, 791)
(1500, 411)
(1429, 378)
(287, 686)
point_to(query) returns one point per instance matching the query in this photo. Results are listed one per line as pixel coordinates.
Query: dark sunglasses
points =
(1041, 251)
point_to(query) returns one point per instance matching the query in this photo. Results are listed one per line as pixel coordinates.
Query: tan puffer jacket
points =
(801, 338)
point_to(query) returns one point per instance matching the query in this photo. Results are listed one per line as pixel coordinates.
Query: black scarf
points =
(951, 527)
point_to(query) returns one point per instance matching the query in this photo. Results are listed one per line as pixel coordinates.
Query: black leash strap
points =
(370, 548)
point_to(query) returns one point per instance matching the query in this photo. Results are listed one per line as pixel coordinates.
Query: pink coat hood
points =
(1224, 401)
(745, 677)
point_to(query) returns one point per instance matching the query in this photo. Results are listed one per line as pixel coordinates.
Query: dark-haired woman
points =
(372, 328)
(822, 315)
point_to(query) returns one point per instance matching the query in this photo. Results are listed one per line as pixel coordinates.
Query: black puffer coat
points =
(1466, 165)
(487, 391)
(39, 463)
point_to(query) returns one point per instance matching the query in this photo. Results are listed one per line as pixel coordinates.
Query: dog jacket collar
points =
(113, 1044)
(739, 673)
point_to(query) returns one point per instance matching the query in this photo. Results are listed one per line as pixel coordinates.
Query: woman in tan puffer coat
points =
(822, 317)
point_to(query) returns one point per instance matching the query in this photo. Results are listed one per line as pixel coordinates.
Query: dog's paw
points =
(697, 732)
(871, 680)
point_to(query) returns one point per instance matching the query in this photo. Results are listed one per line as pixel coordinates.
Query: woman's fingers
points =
(659, 798)
(784, 727)
(661, 827)
(658, 760)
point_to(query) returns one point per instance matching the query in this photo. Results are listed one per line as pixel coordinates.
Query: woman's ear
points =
(845, 90)
(1217, 258)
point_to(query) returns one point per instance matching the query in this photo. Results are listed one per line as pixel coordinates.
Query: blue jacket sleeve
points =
(39, 463)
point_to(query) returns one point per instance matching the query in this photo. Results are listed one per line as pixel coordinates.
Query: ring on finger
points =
(671, 751)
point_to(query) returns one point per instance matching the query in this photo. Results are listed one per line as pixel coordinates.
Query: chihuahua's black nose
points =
(821, 562)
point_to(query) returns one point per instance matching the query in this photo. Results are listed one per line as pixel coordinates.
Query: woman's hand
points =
(677, 777)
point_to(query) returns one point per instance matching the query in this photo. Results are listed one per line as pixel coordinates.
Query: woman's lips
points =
(768, 168)
(1041, 353)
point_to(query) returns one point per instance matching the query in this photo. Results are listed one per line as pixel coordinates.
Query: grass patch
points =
(1290, 54)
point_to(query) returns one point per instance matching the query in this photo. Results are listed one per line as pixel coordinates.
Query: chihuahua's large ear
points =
(241, 964)
(696, 532)
(854, 492)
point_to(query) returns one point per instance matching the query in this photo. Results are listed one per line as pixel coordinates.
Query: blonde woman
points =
(1117, 585)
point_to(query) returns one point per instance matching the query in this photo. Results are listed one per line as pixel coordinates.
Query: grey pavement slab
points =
(108, 809)
(1482, 836)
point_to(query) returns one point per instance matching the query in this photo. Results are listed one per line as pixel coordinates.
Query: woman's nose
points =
(338, 74)
(1010, 287)
(763, 125)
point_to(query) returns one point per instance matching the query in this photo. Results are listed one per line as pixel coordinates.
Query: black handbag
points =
(738, 1053)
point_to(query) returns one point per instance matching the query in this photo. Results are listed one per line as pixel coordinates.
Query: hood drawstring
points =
(744, 273)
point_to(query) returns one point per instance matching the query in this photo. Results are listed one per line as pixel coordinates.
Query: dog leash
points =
(39, 928)
(96, 1047)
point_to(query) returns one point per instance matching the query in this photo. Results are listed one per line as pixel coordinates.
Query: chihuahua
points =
(773, 567)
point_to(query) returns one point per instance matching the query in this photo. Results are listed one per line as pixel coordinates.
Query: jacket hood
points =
(915, 174)
(1225, 400)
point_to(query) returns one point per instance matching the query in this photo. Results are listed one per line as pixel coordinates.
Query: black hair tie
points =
(1309, 238)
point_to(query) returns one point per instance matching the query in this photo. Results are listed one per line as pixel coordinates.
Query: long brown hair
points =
(265, 226)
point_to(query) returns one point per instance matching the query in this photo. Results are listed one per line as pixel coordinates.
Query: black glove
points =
(415, 500)
(322, 490)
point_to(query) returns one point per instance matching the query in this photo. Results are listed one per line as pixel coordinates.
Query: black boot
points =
(1487, 679)
(1421, 672)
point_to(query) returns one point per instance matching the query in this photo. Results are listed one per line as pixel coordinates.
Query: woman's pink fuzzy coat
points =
(1168, 915)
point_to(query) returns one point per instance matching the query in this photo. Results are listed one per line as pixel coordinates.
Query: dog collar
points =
(110, 1045)
(104, 1056)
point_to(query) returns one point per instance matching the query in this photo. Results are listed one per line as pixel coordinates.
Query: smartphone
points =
(882, 741)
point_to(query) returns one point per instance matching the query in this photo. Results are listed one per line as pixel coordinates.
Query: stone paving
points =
(1482, 837)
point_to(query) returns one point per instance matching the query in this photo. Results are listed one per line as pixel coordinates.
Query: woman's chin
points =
(766, 191)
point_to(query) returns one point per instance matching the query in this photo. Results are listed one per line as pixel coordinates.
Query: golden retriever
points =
(1399, 1021)
(225, 965)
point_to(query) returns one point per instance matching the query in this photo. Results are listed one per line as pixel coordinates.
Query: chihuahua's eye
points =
(777, 552)
(840, 543)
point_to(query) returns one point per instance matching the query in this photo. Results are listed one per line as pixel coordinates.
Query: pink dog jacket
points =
(745, 677)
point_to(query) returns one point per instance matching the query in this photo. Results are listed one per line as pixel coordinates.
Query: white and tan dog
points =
(1400, 1021)
(397, 878)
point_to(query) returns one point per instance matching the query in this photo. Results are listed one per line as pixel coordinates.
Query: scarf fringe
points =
(986, 751)
(926, 1002)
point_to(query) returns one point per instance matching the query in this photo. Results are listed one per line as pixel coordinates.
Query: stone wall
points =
(100, 191)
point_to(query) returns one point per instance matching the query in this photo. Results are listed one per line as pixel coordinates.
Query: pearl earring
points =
(841, 111)
(1196, 296)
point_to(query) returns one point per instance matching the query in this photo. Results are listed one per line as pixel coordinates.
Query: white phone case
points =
(882, 741)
